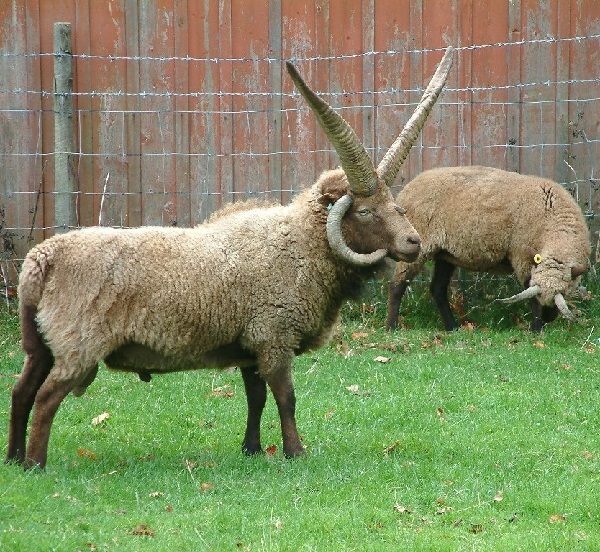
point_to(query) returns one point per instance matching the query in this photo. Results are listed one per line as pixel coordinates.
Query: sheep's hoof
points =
(252, 450)
(294, 453)
(145, 376)
(30, 464)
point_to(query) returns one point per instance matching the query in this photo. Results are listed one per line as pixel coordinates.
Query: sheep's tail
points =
(32, 281)
(32, 278)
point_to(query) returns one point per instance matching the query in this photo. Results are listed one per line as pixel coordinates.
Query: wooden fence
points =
(181, 106)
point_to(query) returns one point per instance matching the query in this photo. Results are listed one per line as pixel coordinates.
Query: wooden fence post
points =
(64, 137)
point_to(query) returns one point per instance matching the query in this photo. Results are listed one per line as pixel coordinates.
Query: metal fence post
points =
(64, 137)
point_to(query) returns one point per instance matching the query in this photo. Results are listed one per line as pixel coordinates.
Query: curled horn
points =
(392, 161)
(337, 242)
(562, 306)
(525, 294)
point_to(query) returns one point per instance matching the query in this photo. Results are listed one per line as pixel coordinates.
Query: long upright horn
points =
(392, 161)
(354, 159)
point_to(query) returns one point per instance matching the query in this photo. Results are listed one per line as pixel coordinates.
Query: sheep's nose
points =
(414, 240)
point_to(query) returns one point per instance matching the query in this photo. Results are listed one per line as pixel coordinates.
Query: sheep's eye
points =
(401, 210)
(364, 212)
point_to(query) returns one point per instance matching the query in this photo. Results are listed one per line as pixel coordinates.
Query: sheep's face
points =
(374, 222)
(555, 276)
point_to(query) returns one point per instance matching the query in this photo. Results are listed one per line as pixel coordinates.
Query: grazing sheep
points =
(252, 288)
(488, 220)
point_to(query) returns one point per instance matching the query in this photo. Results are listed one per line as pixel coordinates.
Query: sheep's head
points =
(555, 274)
(369, 197)
(373, 226)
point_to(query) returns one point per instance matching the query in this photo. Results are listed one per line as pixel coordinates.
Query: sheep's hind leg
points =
(442, 272)
(47, 401)
(256, 396)
(36, 368)
(277, 371)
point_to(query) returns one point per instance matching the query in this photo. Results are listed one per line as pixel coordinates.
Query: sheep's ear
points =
(332, 189)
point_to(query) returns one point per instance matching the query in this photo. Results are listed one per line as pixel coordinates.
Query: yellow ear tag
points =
(537, 258)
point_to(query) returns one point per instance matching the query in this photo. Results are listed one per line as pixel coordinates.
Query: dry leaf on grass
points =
(355, 391)
(101, 418)
(392, 447)
(84, 453)
(221, 392)
(206, 487)
(142, 530)
(401, 509)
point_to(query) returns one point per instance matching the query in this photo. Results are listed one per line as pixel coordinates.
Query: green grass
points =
(482, 439)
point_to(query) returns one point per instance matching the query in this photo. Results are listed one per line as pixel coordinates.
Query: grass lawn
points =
(481, 439)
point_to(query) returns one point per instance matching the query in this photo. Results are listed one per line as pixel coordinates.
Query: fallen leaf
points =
(206, 487)
(440, 412)
(358, 335)
(143, 530)
(443, 510)
(168, 508)
(155, 494)
(278, 523)
(382, 359)
(539, 344)
(402, 509)
(498, 497)
(557, 518)
(392, 447)
(84, 453)
(587, 455)
(221, 392)
(329, 413)
(354, 390)
(270, 451)
(476, 528)
(190, 465)
(101, 418)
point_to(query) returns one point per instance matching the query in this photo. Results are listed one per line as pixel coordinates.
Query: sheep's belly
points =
(134, 357)
(480, 263)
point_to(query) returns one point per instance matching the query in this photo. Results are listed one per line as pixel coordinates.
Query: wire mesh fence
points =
(163, 138)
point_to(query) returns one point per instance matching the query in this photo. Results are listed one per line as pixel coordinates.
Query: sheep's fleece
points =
(486, 219)
(124, 285)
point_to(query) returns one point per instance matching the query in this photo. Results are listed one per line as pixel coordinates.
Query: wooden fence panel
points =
(184, 105)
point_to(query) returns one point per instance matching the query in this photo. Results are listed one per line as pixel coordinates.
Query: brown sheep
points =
(253, 288)
(488, 220)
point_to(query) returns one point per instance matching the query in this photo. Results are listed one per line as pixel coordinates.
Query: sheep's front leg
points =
(276, 368)
(256, 396)
(442, 273)
(47, 401)
(403, 275)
